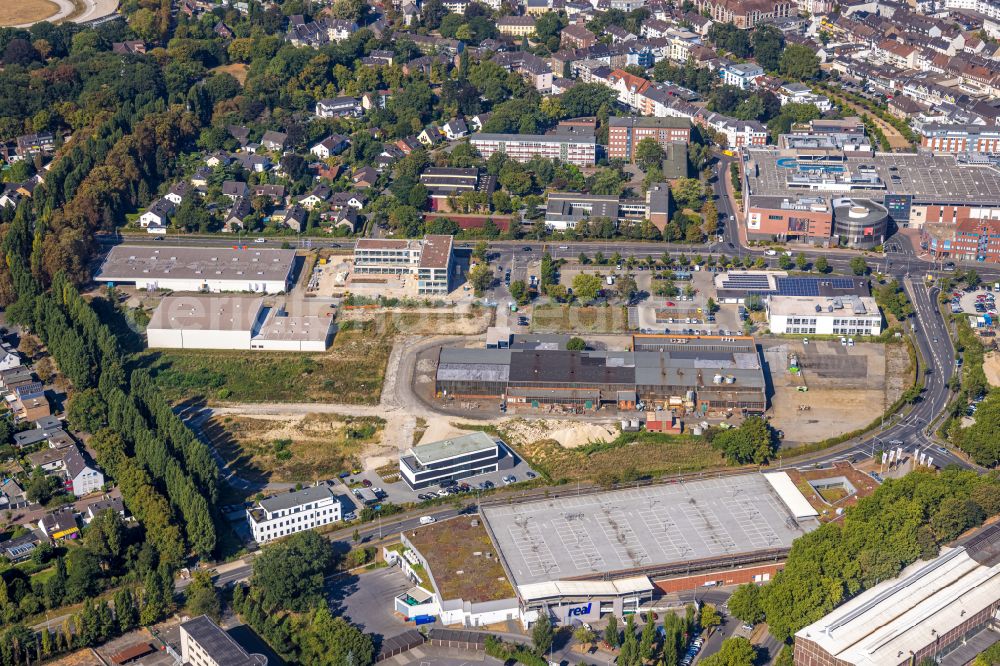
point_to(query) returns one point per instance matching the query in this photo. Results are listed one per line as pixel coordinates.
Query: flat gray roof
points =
(207, 313)
(279, 325)
(597, 533)
(928, 178)
(128, 263)
(297, 498)
(455, 446)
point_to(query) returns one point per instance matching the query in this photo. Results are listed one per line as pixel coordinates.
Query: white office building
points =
(288, 513)
(450, 460)
(204, 643)
(428, 260)
(819, 315)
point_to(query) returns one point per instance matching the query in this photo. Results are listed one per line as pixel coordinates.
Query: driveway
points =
(367, 600)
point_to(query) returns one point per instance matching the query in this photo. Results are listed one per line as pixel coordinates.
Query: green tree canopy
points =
(289, 574)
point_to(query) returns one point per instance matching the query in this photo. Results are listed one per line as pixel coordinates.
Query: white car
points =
(771, 253)
(260, 240)
(427, 520)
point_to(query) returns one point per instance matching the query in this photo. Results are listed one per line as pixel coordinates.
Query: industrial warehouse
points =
(582, 557)
(200, 269)
(703, 373)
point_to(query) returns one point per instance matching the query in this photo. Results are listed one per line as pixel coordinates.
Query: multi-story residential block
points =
(288, 513)
(579, 150)
(960, 138)
(625, 133)
(743, 75)
(429, 260)
(745, 14)
(451, 460)
(339, 107)
(577, 36)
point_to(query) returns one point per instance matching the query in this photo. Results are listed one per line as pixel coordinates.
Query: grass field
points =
(578, 320)
(351, 372)
(292, 449)
(237, 70)
(19, 12)
(622, 459)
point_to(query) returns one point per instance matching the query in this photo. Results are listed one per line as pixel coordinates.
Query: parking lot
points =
(625, 529)
(979, 302)
(366, 600)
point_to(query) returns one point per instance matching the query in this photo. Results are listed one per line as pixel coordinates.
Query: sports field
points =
(20, 12)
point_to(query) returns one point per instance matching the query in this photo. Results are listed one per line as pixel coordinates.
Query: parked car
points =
(427, 520)
(366, 483)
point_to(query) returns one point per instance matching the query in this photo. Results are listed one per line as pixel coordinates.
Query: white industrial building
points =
(943, 610)
(824, 315)
(235, 322)
(199, 269)
(288, 513)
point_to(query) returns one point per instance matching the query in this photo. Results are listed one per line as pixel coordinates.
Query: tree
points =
(42, 487)
(586, 286)
(711, 307)
(289, 574)
(576, 344)
(202, 597)
(481, 277)
(767, 42)
(785, 262)
(519, 292)
(480, 251)
(799, 62)
(584, 635)
(648, 153)
(710, 617)
(753, 441)
(627, 287)
(801, 262)
(822, 265)
(745, 604)
(734, 652)
(648, 639)
(126, 612)
(687, 192)
(542, 634)
(611, 636)
(332, 641)
(87, 410)
(859, 266)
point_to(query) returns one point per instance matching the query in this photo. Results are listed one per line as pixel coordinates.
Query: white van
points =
(427, 520)
(770, 253)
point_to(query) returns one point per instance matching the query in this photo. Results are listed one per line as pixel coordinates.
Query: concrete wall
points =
(214, 286)
(165, 338)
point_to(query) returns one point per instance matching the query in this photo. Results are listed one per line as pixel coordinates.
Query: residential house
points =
(275, 141)
(619, 34)
(375, 100)
(430, 136)
(330, 146)
(12, 495)
(216, 158)
(240, 133)
(338, 107)
(130, 47)
(342, 200)
(222, 30)
(81, 477)
(40, 143)
(237, 214)
(157, 216)
(346, 218)
(234, 189)
(177, 192)
(99, 506)
(455, 129)
(59, 525)
(477, 121)
(365, 177)
(319, 195)
(10, 196)
(9, 357)
(199, 179)
(274, 193)
(296, 218)
(19, 549)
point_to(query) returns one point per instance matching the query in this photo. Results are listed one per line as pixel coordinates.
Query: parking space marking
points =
(577, 542)
(622, 538)
(665, 532)
(533, 549)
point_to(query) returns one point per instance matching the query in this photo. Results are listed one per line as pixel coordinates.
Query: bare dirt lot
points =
(237, 70)
(847, 387)
(293, 448)
(22, 12)
(991, 366)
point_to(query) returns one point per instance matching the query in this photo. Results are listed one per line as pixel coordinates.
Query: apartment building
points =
(625, 133)
(579, 150)
(288, 513)
(745, 14)
(960, 138)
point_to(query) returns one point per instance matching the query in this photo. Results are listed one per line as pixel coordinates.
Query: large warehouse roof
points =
(927, 600)
(211, 313)
(616, 531)
(790, 495)
(128, 263)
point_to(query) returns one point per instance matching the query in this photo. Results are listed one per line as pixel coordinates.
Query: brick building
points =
(625, 133)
